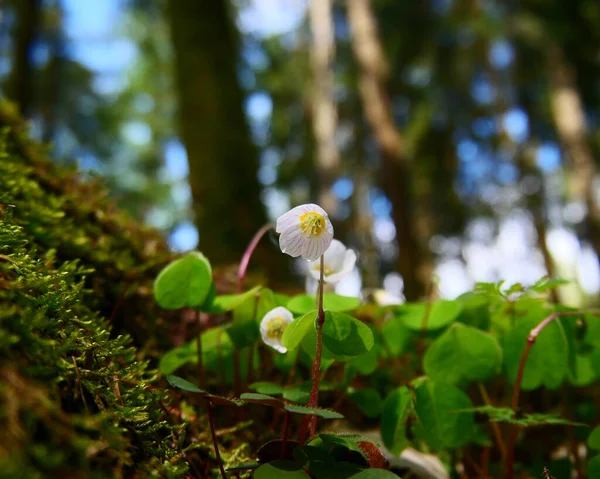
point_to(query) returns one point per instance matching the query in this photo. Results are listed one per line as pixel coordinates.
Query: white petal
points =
(335, 254)
(288, 219)
(277, 313)
(310, 207)
(318, 246)
(345, 270)
(293, 242)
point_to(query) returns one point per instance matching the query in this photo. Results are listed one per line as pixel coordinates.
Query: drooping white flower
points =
(339, 262)
(273, 325)
(305, 231)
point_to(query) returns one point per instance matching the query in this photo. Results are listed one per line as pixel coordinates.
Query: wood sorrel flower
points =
(305, 231)
(273, 325)
(339, 261)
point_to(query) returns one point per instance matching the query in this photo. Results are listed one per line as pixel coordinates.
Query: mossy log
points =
(76, 398)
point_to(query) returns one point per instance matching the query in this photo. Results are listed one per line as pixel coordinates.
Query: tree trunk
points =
(569, 119)
(223, 162)
(324, 113)
(396, 170)
(20, 85)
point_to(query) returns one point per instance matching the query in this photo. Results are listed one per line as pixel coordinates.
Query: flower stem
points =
(201, 378)
(241, 275)
(214, 438)
(531, 339)
(313, 400)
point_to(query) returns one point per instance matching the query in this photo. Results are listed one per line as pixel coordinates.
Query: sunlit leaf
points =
(229, 302)
(295, 332)
(415, 316)
(463, 353)
(184, 283)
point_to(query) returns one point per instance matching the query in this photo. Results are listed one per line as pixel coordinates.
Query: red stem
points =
(241, 275)
(201, 377)
(248, 254)
(313, 400)
(214, 438)
(531, 339)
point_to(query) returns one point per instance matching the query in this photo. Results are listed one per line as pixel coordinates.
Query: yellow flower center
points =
(276, 327)
(312, 224)
(327, 270)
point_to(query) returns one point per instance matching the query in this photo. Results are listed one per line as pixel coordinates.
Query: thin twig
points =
(214, 437)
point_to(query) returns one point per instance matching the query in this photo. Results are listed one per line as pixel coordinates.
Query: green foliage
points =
(397, 408)
(368, 401)
(548, 361)
(418, 316)
(305, 303)
(440, 420)
(461, 354)
(184, 283)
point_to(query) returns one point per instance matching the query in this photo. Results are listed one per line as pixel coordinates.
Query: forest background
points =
(452, 142)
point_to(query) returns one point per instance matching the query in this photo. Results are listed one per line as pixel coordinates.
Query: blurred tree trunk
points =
(20, 86)
(223, 162)
(324, 114)
(396, 170)
(571, 127)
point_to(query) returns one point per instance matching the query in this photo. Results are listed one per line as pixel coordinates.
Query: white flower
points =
(339, 262)
(383, 297)
(273, 325)
(305, 231)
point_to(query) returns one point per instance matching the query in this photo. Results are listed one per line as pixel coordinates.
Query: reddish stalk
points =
(214, 437)
(313, 400)
(531, 339)
(201, 377)
(241, 275)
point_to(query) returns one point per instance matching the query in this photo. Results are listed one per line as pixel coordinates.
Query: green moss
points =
(75, 387)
